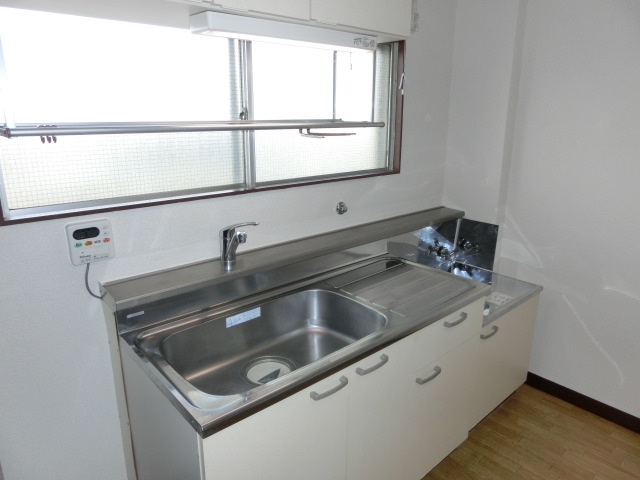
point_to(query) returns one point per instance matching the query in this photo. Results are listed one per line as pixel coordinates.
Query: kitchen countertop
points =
(506, 294)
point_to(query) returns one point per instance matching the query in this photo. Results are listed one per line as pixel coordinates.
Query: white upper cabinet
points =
(389, 17)
(298, 9)
(392, 17)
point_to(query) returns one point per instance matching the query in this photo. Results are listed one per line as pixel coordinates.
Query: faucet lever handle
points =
(245, 224)
(231, 230)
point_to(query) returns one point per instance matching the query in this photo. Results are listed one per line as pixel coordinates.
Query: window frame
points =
(394, 139)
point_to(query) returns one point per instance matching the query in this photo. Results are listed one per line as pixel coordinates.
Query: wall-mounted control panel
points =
(90, 241)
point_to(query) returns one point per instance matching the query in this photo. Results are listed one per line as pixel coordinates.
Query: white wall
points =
(485, 44)
(571, 213)
(59, 418)
(569, 130)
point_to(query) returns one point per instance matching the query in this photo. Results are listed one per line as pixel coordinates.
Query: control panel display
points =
(90, 241)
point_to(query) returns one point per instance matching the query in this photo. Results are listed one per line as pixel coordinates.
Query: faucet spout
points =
(230, 238)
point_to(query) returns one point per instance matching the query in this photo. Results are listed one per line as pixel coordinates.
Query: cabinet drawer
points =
(448, 332)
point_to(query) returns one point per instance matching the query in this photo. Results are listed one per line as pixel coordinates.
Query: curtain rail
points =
(34, 130)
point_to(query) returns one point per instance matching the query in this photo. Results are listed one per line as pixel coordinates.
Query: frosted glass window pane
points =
(63, 68)
(285, 155)
(292, 82)
(119, 72)
(86, 168)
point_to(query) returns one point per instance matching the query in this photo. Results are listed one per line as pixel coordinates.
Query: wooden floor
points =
(533, 435)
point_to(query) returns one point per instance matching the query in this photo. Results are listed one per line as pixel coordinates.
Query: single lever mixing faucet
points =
(230, 238)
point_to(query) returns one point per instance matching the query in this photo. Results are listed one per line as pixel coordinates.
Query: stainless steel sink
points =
(218, 361)
(232, 354)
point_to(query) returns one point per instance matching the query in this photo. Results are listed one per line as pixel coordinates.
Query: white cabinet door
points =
(299, 9)
(437, 408)
(378, 414)
(387, 16)
(296, 438)
(503, 358)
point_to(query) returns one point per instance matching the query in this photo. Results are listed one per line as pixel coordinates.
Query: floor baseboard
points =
(586, 403)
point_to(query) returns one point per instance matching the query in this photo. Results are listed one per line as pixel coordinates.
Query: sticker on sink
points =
(243, 317)
(499, 299)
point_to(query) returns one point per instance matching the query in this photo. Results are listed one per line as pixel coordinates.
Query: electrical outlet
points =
(90, 241)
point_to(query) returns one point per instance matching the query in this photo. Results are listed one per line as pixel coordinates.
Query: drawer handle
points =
(421, 381)
(365, 371)
(319, 396)
(463, 317)
(494, 330)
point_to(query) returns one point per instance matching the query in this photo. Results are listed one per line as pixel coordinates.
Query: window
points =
(107, 73)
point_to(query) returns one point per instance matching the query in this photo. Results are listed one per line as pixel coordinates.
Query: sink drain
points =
(265, 369)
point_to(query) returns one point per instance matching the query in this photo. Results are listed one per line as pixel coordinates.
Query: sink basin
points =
(247, 348)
